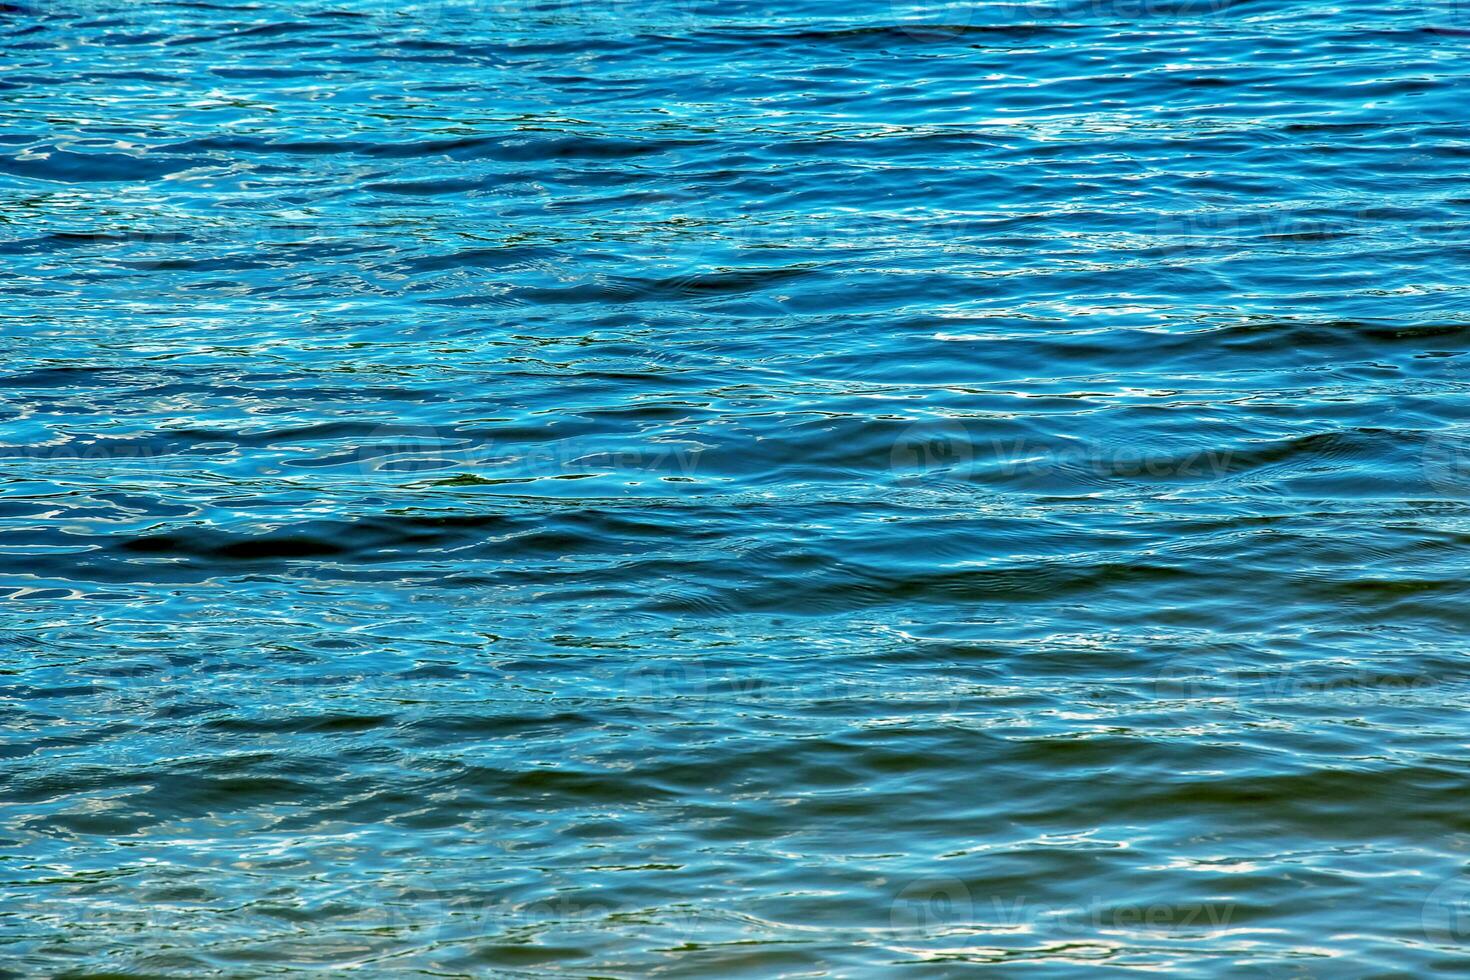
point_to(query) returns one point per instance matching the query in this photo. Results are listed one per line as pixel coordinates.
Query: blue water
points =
(734, 489)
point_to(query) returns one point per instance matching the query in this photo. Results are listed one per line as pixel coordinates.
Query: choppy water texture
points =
(721, 489)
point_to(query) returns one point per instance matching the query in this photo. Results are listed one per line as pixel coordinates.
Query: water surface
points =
(734, 489)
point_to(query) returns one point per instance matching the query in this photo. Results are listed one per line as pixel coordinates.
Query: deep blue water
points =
(734, 489)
